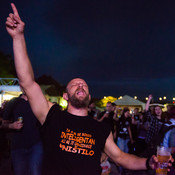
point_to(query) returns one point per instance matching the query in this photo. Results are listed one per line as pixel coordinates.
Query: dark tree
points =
(55, 89)
(7, 69)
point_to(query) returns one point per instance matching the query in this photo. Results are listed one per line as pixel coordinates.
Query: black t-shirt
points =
(123, 124)
(109, 120)
(72, 144)
(137, 117)
(29, 134)
(91, 113)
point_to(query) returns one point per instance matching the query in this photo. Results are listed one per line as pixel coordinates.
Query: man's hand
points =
(153, 162)
(14, 25)
(150, 97)
(16, 125)
(106, 115)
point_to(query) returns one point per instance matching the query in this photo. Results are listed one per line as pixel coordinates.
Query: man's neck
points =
(78, 112)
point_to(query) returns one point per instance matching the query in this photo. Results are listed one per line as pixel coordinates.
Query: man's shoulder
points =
(55, 109)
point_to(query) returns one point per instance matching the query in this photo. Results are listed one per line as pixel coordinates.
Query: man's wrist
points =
(10, 125)
(147, 163)
(19, 36)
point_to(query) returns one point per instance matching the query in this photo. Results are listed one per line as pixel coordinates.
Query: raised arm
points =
(38, 103)
(148, 102)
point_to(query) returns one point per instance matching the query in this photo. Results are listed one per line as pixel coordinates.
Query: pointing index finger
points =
(15, 11)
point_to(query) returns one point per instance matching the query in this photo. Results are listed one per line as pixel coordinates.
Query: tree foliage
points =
(55, 90)
(7, 69)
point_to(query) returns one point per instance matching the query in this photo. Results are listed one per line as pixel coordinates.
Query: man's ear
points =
(65, 96)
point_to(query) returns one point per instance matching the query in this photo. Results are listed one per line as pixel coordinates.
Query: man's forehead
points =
(76, 80)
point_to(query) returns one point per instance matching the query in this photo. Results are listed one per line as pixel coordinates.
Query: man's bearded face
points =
(79, 99)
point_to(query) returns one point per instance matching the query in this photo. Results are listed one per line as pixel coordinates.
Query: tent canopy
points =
(129, 101)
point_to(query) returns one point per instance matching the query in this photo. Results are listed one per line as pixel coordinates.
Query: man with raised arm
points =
(73, 142)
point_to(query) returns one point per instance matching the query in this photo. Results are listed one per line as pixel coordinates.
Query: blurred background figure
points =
(105, 165)
(92, 110)
(169, 138)
(4, 140)
(142, 129)
(107, 116)
(136, 115)
(155, 119)
(124, 133)
(26, 146)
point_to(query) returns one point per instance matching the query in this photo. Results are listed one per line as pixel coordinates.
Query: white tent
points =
(129, 102)
(9, 88)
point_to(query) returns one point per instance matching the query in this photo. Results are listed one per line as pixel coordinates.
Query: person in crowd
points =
(105, 165)
(107, 116)
(92, 110)
(72, 141)
(142, 129)
(124, 132)
(4, 140)
(136, 115)
(169, 138)
(114, 107)
(115, 119)
(26, 146)
(2, 108)
(167, 114)
(155, 120)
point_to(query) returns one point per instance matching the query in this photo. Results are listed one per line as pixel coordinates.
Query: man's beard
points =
(77, 103)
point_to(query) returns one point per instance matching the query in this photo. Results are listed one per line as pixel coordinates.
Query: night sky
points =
(118, 46)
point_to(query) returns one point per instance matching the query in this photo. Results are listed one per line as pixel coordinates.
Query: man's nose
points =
(80, 85)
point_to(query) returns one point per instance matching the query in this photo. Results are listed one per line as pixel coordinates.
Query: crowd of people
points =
(135, 132)
(79, 140)
(139, 132)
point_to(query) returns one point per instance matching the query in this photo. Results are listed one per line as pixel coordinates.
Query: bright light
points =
(173, 99)
(146, 98)
(7, 97)
(63, 103)
(135, 97)
(120, 97)
(104, 96)
(164, 98)
(160, 98)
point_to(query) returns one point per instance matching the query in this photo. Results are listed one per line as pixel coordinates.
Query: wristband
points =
(147, 164)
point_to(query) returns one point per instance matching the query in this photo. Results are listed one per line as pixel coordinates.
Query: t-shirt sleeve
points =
(105, 131)
(49, 116)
